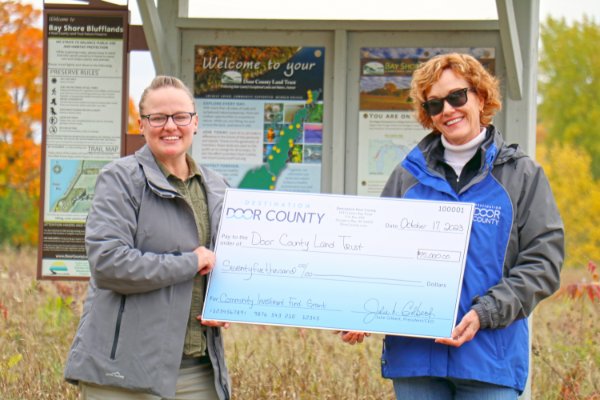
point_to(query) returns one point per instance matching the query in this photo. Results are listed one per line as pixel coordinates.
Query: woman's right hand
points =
(206, 260)
(351, 337)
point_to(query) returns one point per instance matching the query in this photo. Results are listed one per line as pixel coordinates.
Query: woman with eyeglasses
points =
(148, 237)
(516, 246)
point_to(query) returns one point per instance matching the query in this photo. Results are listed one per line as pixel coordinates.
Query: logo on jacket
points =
(115, 374)
(487, 214)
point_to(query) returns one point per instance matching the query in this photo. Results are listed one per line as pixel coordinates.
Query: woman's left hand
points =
(463, 332)
(214, 324)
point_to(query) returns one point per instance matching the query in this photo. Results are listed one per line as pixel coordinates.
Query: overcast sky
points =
(352, 9)
(394, 9)
(347, 9)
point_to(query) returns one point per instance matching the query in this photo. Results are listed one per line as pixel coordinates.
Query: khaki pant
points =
(193, 383)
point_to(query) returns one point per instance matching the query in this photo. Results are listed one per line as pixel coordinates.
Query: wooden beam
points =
(153, 30)
(509, 37)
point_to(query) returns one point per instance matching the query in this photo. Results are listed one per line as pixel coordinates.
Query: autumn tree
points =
(569, 84)
(20, 102)
(132, 121)
(577, 193)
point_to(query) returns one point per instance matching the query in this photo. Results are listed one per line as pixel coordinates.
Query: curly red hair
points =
(484, 84)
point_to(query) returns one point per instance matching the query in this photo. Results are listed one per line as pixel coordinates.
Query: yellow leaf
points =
(14, 360)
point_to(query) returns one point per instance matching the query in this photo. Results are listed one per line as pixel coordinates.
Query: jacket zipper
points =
(113, 352)
(215, 330)
(216, 334)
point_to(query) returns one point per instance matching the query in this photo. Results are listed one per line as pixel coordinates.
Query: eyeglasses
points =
(458, 98)
(160, 120)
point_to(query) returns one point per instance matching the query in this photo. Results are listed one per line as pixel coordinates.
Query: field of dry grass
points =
(566, 344)
(36, 327)
(38, 320)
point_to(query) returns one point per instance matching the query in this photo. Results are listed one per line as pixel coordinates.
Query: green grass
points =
(38, 320)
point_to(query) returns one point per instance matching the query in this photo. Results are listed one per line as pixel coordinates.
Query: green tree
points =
(569, 84)
(18, 219)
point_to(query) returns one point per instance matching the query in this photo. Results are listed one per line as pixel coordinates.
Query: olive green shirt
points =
(192, 191)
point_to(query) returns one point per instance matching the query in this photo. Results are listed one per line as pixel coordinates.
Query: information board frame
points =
(84, 118)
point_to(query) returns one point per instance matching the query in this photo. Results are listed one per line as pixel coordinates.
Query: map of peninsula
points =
(265, 177)
(72, 184)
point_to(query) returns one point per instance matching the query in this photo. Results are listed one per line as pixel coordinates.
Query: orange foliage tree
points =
(132, 121)
(20, 102)
(20, 97)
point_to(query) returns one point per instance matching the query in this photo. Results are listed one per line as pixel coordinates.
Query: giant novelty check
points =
(337, 262)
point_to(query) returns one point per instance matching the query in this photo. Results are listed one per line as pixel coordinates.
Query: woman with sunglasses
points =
(516, 246)
(148, 237)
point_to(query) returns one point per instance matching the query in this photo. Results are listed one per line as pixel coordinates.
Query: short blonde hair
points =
(480, 81)
(164, 81)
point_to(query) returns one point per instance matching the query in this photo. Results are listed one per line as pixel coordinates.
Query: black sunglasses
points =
(458, 98)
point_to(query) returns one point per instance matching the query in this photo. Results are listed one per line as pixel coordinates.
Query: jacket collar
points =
(158, 183)
(154, 176)
(421, 161)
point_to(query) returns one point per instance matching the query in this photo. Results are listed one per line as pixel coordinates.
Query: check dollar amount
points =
(390, 266)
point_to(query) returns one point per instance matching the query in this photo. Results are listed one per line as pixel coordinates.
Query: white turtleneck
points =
(457, 156)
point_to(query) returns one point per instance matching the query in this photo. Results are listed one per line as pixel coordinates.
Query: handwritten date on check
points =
(381, 265)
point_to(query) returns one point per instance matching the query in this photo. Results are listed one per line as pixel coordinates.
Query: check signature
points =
(375, 310)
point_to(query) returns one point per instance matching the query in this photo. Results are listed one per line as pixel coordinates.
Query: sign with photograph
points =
(261, 115)
(387, 129)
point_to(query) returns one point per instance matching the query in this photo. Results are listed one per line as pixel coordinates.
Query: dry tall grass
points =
(566, 345)
(38, 320)
(36, 327)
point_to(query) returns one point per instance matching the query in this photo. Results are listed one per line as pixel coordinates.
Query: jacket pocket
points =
(499, 341)
(113, 351)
